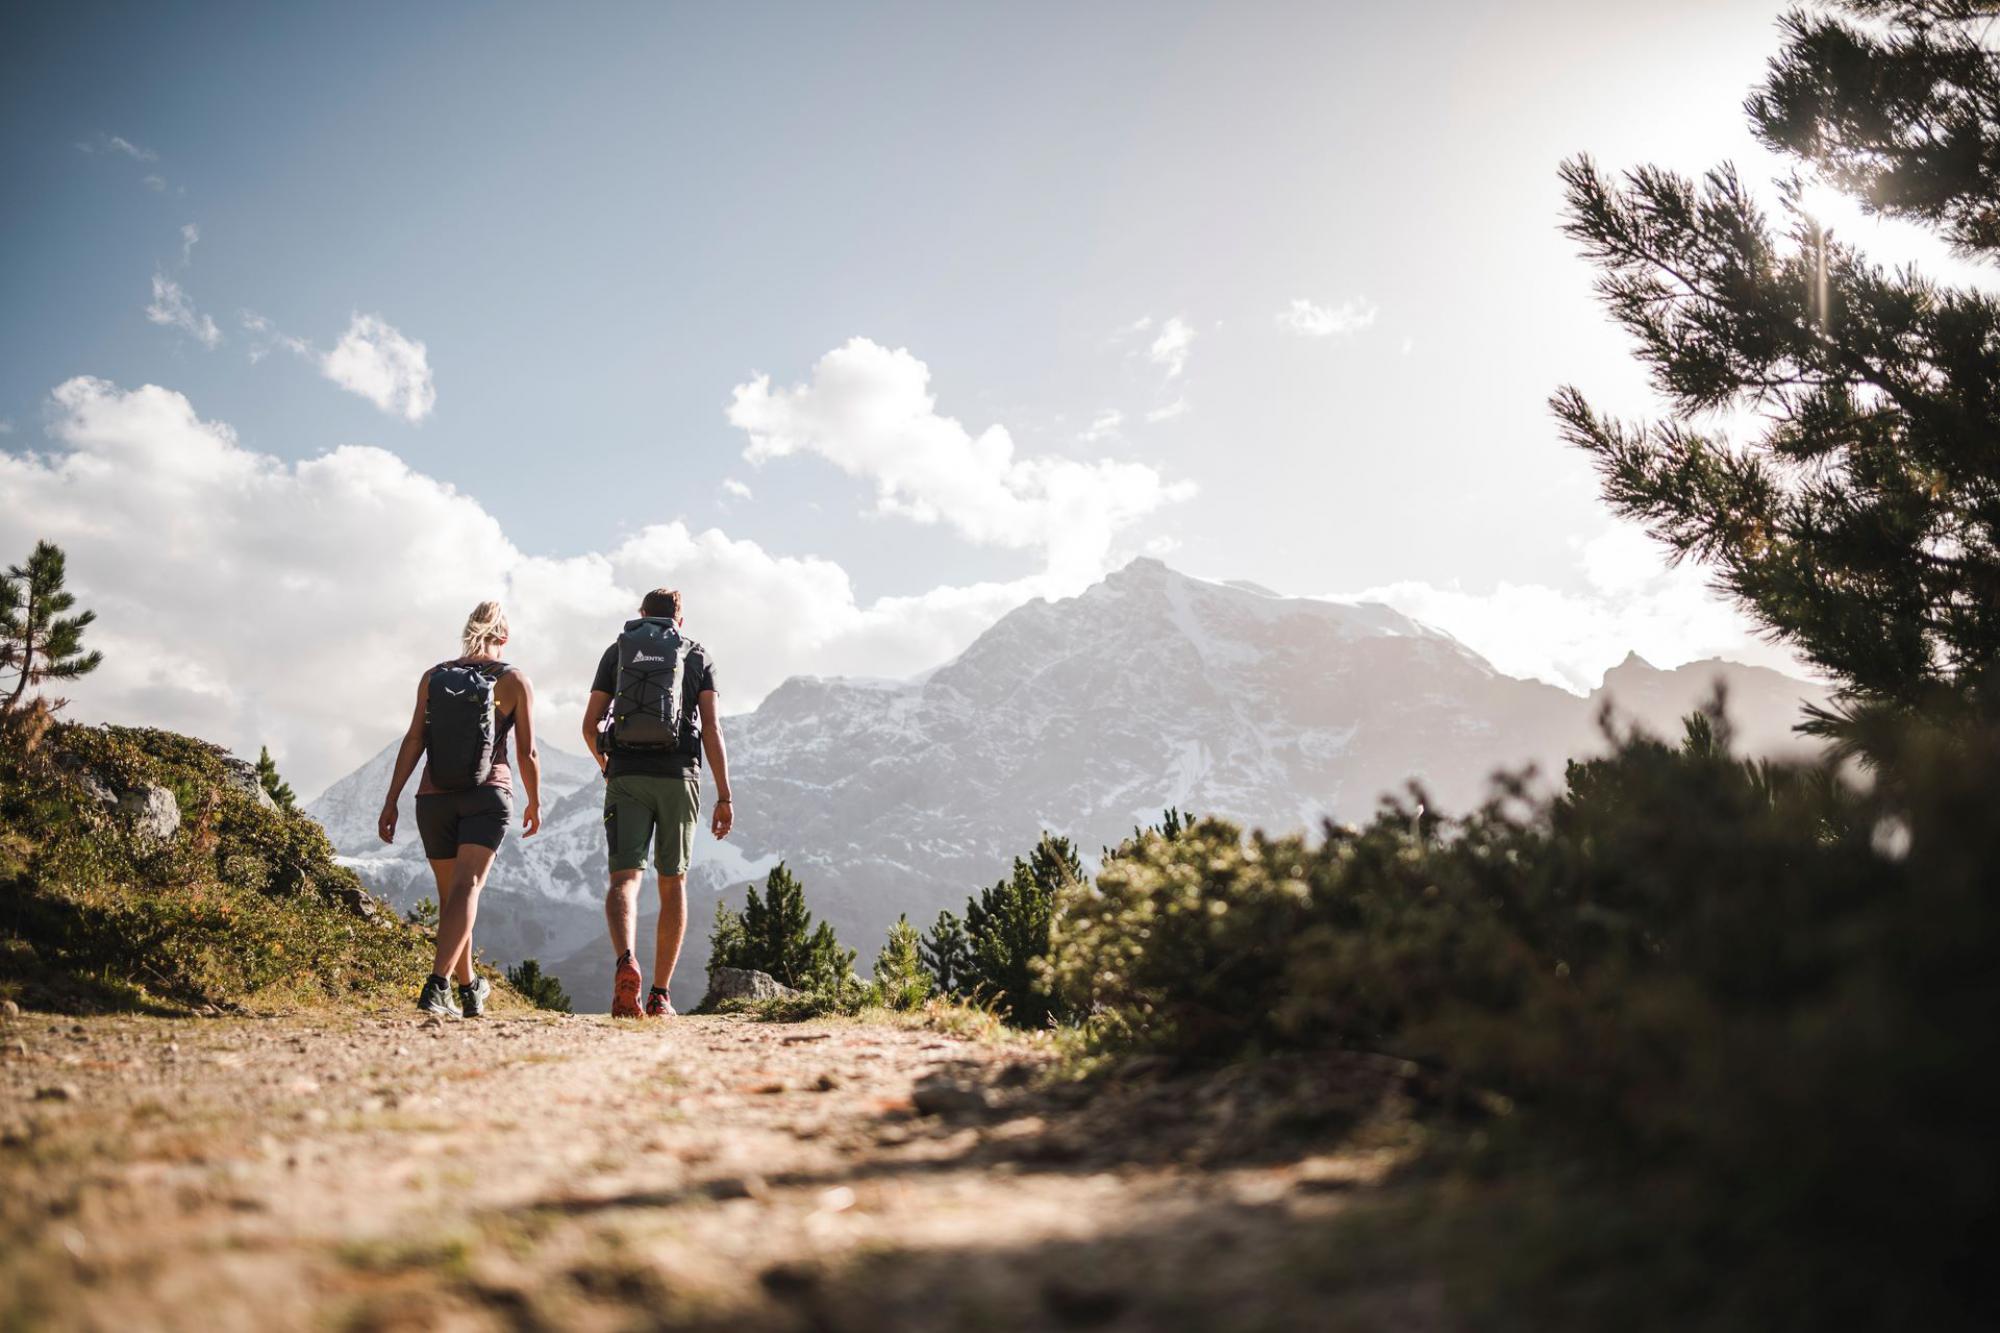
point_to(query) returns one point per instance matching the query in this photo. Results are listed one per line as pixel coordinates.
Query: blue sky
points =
(1274, 291)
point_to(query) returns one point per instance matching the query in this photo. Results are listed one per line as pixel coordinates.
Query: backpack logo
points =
(643, 657)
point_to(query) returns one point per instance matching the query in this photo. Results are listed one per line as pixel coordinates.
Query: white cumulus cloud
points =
(1103, 426)
(869, 410)
(216, 571)
(740, 490)
(391, 371)
(1631, 602)
(1311, 320)
(113, 143)
(171, 307)
(1171, 348)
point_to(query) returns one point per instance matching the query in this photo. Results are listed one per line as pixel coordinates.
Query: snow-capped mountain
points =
(1084, 716)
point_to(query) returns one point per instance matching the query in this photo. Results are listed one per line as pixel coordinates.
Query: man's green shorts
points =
(638, 809)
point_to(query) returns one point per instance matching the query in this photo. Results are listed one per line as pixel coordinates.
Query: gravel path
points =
(540, 1171)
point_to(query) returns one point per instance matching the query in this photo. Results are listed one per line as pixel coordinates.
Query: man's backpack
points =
(646, 710)
(460, 723)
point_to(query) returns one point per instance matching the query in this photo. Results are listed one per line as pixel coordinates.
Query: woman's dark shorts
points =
(475, 817)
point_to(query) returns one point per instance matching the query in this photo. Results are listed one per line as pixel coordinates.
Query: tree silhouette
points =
(38, 642)
(267, 777)
(1827, 446)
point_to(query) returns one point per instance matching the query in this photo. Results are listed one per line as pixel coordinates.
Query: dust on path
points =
(541, 1171)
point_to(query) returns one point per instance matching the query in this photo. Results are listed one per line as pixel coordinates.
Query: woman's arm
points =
(406, 762)
(527, 760)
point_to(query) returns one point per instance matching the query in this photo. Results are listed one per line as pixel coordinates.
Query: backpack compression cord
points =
(460, 723)
(652, 661)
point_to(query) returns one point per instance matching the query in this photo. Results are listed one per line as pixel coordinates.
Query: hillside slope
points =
(144, 869)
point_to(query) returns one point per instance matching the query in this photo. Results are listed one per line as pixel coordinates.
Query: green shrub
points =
(1753, 1007)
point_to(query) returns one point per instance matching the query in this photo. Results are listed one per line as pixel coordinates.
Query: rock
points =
(826, 1083)
(241, 775)
(9, 1010)
(57, 1092)
(357, 900)
(946, 1096)
(16, 1049)
(151, 811)
(737, 983)
(1083, 1304)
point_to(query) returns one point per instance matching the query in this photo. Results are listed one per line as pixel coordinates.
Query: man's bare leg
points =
(673, 925)
(458, 910)
(621, 911)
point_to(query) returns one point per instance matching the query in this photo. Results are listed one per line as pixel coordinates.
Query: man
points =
(649, 739)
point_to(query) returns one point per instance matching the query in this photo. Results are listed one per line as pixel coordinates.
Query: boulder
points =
(151, 811)
(241, 775)
(738, 983)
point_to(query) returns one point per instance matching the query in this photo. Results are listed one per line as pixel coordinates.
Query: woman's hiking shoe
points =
(625, 989)
(435, 998)
(472, 998)
(659, 1004)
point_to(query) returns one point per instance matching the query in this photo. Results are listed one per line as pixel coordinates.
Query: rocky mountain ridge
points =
(1084, 716)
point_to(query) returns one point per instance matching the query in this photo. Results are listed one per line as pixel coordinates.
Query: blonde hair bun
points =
(485, 628)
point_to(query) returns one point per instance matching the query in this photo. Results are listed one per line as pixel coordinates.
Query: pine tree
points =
(1855, 510)
(267, 777)
(728, 946)
(947, 954)
(900, 973)
(778, 930)
(829, 968)
(38, 642)
(544, 990)
(1008, 929)
(775, 934)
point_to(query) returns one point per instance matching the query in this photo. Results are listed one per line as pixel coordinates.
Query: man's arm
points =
(406, 763)
(593, 714)
(528, 759)
(718, 765)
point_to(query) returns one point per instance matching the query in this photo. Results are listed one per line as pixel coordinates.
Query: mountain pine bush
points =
(1746, 1011)
(947, 954)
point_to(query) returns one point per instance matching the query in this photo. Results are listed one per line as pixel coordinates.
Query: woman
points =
(464, 800)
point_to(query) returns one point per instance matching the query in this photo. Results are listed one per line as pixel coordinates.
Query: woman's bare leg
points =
(458, 910)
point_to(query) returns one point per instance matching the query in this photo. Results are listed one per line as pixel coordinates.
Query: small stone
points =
(1082, 1304)
(9, 1010)
(738, 1187)
(947, 1097)
(826, 1083)
(16, 1049)
(58, 1092)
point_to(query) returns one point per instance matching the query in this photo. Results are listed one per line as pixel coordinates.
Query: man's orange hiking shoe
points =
(625, 988)
(659, 1004)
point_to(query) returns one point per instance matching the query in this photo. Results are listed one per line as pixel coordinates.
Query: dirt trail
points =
(542, 1171)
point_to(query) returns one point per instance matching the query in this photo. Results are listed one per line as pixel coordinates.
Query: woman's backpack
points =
(460, 723)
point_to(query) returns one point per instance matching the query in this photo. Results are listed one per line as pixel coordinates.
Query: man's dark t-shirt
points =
(683, 761)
